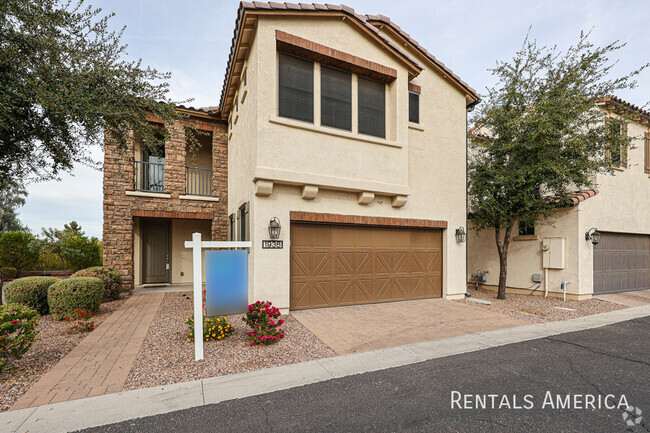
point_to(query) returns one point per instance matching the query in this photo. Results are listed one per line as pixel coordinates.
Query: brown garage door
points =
(335, 265)
(621, 263)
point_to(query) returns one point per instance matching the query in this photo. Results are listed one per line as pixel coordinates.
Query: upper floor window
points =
(414, 107)
(647, 151)
(526, 228)
(336, 98)
(296, 88)
(618, 155)
(372, 107)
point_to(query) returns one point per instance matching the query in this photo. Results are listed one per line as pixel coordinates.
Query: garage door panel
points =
(366, 264)
(621, 262)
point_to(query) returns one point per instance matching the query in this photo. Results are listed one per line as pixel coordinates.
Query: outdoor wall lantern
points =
(461, 235)
(593, 235)
(274, 228)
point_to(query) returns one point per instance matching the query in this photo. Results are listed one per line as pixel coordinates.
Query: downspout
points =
(468, 110)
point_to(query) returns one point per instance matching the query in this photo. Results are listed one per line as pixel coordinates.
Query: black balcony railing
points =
(150, 176)
(198, 181)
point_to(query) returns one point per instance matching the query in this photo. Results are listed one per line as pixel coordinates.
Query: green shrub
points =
(111, 278)
(17, 332)
(30, 291)
(67, 295)
(19, 250)
(8, 273)
(81, 252)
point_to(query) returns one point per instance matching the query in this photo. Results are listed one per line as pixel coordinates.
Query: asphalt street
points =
(521, 387)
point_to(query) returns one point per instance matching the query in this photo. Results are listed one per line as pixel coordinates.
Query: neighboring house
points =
(153, 202)
(346, 131)
(618, 206)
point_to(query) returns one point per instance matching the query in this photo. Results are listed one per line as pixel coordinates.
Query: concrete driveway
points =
(630, 299)
(361, 328)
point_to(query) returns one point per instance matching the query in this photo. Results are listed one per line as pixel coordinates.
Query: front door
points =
(156, 254)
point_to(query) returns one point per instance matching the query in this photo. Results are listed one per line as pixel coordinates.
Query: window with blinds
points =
(336, 98)
(372, 107)
(296, 88)
(414, 107)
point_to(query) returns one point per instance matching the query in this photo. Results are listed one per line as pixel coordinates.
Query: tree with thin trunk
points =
(538, 136)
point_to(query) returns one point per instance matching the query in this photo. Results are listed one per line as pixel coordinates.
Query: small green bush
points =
(111, 278)
(8, 273)
(17, 332)
(19, 250)
(31, 292)
(67, 295)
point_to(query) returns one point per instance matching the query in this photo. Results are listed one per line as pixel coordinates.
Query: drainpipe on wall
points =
(468, 110)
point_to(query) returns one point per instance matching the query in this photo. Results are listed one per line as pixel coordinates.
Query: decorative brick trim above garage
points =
(298, 46)
(172, 215)
(328, 218)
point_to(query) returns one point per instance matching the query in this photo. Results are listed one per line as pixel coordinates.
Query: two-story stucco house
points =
(352, 135)
(344, 130)
(617, 207)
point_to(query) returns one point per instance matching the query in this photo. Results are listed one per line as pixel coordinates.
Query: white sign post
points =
(197, 276)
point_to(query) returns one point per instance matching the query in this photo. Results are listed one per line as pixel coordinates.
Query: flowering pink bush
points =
(263, 317)
(17, 333)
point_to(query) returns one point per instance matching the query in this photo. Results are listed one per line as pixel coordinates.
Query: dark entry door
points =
(156, 254)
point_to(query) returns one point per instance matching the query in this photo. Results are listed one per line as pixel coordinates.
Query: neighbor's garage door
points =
(335, 265)
(621, 262)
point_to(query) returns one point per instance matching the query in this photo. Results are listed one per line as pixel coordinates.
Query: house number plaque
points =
(271, 245)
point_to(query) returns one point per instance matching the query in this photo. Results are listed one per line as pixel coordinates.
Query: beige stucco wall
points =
(525, 255)
(622, 205)
(427, 163)
(182, 257)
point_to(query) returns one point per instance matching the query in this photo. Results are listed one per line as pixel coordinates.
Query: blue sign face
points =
(226, 282)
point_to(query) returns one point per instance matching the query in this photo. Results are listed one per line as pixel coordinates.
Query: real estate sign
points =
(226, 282)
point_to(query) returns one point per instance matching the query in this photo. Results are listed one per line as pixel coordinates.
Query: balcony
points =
(150, 176)
(198, 181)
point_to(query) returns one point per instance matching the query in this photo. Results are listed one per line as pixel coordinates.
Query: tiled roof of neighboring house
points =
(387, 21)
(619, 102)
(575, 197)
(364, 20)
(206, 110)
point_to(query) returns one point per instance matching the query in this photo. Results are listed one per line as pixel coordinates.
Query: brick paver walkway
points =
(360, 328)
(101, 363)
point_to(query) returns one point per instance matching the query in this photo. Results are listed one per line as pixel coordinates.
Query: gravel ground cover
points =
(167, 357)
(52, 343)
(537, 309)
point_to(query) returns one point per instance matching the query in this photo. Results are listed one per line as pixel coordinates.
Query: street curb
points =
(122, 406)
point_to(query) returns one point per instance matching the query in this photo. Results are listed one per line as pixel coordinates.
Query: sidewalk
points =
(101, 363)
(112, 408)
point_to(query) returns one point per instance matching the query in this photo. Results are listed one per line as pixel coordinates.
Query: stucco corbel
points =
(309, 192)
(263, 188)
(366, 197)
(399, 201)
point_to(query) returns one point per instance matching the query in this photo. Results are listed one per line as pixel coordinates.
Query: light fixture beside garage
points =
(274, 228)
(461, 235)
(593, 235)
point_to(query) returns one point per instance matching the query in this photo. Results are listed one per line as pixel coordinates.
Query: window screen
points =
(372, 107)
(336, 98)
(414, 107)
(296, 88)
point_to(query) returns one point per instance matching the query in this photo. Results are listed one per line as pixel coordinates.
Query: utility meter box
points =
(554, 253)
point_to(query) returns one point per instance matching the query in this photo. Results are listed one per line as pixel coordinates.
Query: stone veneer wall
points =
(119, 208)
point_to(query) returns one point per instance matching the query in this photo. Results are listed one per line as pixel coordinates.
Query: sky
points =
(191, 39)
